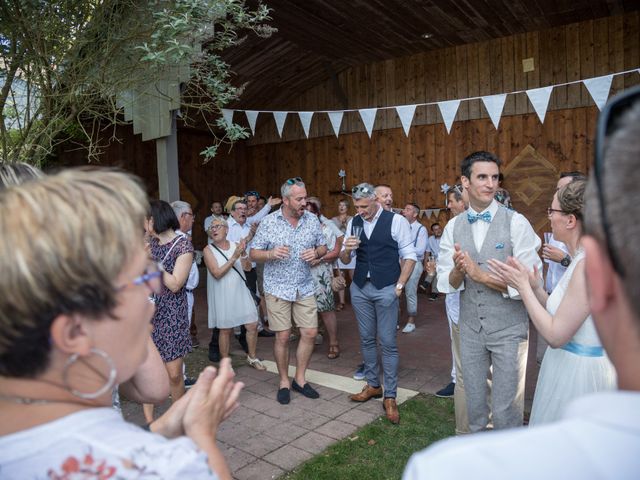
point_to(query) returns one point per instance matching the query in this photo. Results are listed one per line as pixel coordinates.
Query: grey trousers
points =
(377, 315)
(505, 353)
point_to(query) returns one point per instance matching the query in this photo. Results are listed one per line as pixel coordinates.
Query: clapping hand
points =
(515, 274)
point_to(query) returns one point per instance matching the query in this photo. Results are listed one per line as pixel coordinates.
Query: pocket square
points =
(499, 245)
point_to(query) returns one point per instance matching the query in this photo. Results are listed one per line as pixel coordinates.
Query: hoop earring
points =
(102, 390)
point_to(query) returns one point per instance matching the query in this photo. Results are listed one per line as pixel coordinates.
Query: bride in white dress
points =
(575, 363)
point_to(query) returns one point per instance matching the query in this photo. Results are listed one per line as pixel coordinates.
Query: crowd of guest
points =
(99, 308)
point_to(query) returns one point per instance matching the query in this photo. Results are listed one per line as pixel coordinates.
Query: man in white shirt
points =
(419, 236)
(216, 214)
(599, 436)
(379, 239)
(494, 326)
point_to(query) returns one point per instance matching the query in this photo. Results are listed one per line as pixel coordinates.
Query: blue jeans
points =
(377, 315)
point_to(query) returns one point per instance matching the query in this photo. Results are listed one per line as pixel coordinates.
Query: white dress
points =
(578, 368)
(229, 301)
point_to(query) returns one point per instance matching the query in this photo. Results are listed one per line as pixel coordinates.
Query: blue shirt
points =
(291, 278)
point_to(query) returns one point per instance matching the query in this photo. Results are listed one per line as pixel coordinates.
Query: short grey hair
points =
(363, 190)
(316, 201)
(621, 153)
(180, 207)
(287, 186)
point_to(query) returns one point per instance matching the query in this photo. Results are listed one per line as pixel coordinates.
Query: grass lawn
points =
(381, 450)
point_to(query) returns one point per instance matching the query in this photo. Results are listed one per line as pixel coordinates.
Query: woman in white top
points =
(575, 363)
(75, 320)
(229, 299)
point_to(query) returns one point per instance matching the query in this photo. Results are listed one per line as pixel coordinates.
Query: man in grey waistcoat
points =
(494, 327)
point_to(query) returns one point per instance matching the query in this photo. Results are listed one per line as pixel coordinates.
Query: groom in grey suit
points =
(494, 327)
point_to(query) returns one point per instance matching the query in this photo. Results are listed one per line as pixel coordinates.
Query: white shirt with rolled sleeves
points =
(400, 232)
(598, 438)
(237, 232)
(524, 240)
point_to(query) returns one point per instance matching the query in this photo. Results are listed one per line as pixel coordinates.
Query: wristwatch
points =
(399, 286)
(566, 261)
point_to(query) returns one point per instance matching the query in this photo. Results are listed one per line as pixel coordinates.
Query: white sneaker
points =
(409, 327)
(256, 363)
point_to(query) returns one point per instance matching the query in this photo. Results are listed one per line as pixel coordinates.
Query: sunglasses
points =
(252, 193)
(608, 123)
(359, 189)
(294, 180)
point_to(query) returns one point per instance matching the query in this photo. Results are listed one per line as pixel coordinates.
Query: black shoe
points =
(266, 333)
(242, 340)
(214, 355)
(433, 297)
(308, 391)
(446, 392)
(189, 382)
(284, 396)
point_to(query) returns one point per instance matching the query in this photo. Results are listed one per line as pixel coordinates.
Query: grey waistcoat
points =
(481, 306)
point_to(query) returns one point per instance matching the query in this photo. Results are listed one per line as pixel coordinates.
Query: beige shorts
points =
(303, 310)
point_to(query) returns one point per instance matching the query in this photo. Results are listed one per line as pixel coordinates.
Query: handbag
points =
(255, 297)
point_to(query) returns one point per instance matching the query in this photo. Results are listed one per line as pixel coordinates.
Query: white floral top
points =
(291, 278)
(98, 444)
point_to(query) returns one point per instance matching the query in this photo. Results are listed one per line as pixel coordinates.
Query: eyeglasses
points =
(293, 181)
(551, 210)
(189, 213)
(361, 189)
(216, 226)
(608, 122)
(151, 278)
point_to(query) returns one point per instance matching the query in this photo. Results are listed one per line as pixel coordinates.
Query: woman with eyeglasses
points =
(575, 363)
(228, 296)
(174, 254)
(75, 319)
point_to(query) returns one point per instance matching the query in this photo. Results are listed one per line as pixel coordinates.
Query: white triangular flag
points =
(228, 116)
(368, 116)
(336, 120)
(448, 111)
(539, 98)
(280, 117)
(599, 89)
(406, 112)
(305, 120)
(252, 116)
(494, 105)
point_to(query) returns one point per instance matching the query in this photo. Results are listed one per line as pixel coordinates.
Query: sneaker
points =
(195, 343)
(409, 327)
(433, 297)
(319, 339)
(446, 392)
(256, 363)
(359, 375)
(189, 382)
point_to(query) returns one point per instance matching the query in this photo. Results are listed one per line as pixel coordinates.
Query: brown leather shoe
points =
(367, 393)
(391, 409)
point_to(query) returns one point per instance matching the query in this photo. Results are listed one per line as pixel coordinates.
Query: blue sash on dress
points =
(583, 350)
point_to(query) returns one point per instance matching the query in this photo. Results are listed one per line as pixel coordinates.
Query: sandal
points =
(334, 352)
(256, 363)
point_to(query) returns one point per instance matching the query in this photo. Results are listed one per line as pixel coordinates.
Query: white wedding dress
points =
(578, 368)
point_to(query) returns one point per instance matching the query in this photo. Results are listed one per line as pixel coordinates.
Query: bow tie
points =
(485, 217)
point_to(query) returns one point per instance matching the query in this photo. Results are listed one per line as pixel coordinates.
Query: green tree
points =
(68, 67)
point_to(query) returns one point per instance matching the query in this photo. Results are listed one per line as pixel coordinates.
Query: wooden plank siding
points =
(563, 54)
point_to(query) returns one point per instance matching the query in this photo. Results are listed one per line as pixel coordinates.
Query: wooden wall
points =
(564, 54)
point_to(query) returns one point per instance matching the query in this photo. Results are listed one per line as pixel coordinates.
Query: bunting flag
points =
(599, 88)
(305, 120)
(280, 118)
(406, 113)
(429, 211)
(368, 116)
(336, 120)
(448, 111)
(539, 98)
(252, 116)
(228, 116)
(494, 105)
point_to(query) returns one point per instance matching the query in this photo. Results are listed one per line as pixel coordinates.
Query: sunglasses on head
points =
(361, 189)
(252, 193)
(293, 181)
(608, 123)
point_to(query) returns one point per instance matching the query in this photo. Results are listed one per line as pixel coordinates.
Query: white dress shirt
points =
(524, 240)
(598, 438)
(433, 245)
(400, 232)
